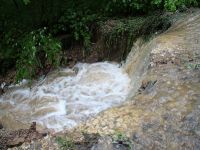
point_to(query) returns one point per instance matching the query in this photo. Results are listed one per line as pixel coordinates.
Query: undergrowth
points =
(25, 45)
(65, 144)
(121, 139)
(119, 34)
(37, 50)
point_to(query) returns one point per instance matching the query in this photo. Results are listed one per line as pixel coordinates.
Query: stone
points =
(104, 143)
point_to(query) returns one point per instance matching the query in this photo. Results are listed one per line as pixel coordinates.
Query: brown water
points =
(164, 114)
(66, 97)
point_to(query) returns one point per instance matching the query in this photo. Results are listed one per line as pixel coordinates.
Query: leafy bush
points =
(134, 6)
(78, 21)
(172, 5)
(26, 2)
(124, 6)
(8, 52)
(121, 138)
(29, 51)
(65, 144)
(119, 34)
(37, 51)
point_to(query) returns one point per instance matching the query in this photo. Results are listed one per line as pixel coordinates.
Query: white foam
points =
(65, 98)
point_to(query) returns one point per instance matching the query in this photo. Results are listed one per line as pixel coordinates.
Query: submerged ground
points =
(162, 110)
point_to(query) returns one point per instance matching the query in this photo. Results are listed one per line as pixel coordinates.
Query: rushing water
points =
(66, 97)
(165, 112)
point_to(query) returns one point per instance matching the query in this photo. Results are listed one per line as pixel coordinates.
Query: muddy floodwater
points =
(153, 97)
(165, 112)
(66, 97)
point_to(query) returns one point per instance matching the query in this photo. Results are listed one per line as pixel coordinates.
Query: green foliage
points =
(135, 6)
(193, 66)
(37, 51)
(23, 44)
(124, 6)
(8, 53)
(119, 34)
(78, 22)
(26, 2)
(65, 144)
(120, 138)
(172, 5)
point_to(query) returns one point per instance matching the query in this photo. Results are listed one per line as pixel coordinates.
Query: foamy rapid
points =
(67, 97)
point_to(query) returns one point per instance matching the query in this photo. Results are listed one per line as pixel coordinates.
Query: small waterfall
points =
(136, 64)
(67, 97)
(182, 38)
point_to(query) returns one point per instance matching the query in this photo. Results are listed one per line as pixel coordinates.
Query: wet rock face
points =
(103, 143)
(180, 43)
(165, 113)
(172, 110)
(106, 143)
(166, 117)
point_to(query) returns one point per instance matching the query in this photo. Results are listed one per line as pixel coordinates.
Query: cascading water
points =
(164, 114)
(66, 97)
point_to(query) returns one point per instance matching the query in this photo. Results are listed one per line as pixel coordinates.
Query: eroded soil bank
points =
(164, 112)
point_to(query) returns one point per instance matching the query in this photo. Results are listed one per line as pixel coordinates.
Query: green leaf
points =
(26, 2)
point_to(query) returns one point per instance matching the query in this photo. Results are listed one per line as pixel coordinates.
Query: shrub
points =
(122, 139)
(135, 6)
(8, 52)
(37, 50)
(78, 22)
(65, 144)
(172, 5)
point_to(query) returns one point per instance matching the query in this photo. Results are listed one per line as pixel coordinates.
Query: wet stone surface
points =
(167, 117)
(165, 113)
